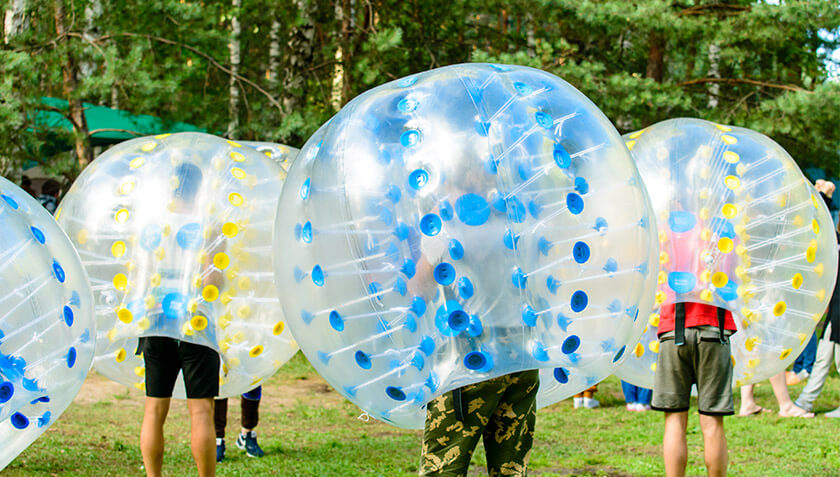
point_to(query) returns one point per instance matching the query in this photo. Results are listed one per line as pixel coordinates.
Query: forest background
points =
(274, 70)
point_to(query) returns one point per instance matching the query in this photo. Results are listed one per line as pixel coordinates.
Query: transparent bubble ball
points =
(740, 227)
(46, 321)
(175, 232)
(461, 224)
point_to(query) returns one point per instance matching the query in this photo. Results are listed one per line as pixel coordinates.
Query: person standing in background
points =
(247, 438)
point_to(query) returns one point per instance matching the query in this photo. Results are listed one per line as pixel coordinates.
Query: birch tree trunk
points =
(235, 56)
(274, 57)
(714, 72)
(16, 20)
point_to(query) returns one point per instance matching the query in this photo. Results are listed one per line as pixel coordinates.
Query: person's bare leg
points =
(786, 406)
(748, 404)
(674, 446)
(203, 435)
(151, 435)
(714, 445)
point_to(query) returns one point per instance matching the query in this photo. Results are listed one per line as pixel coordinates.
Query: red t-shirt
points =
(696, 314)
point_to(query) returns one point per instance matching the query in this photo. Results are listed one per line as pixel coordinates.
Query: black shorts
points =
(166, 357)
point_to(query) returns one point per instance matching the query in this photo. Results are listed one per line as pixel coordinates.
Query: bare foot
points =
(752, 411)
(794, 411)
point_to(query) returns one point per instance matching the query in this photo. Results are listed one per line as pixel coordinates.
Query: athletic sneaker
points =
(578, 402)
(248, 443)
(220, 449)
(834, 413)
(591, 403)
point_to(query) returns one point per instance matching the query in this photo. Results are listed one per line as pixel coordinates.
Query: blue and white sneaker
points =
(248, 443)
(220, 449)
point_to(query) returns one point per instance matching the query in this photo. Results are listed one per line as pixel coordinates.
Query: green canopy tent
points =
(107, 126)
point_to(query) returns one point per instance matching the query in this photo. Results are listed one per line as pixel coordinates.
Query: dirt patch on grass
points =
(97, 388)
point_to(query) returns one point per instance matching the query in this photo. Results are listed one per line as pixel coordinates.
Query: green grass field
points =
(307, 429)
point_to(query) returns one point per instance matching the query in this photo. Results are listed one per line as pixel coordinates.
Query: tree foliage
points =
(747, 63)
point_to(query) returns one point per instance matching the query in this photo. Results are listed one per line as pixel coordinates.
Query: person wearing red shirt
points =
(694, 349)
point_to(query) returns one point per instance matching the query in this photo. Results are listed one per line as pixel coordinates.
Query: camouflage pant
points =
(501, 410)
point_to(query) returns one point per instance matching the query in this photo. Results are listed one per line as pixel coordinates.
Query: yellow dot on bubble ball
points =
(639, 350)
(210, 293)
(279, 327)
(234, 362)
(821, 295)
(802, 338)
(119, 356)
(720, 279)
(726, 245)
(150, 302)
(140, 371)
(244, 283)
(192, 305)
(785, 353)
(630, 144)
(706, 295)
(136, 162)
(155, 280)
(118, 249)
(244, 311)
(58, 213)
(732, 182)
(148, 147)
(198, 322)
(663, 277)
(723, 128)
(653, 367)
(705, 172)
(653, 319)
(121, 216)
(750, 343)
(125, 315)
(706, 234)
(187, 330)
(82, 236)
(143, 324)
(160, 253)
(819, 269)
(238, 173)
(235, 199)
(224, 320)
(704, 213)
(255, 351)
(126, 188)
(731, 157)
(815, 202)
(811, 254)
(781, 201)
(729, 211)
(815, 226)
(230, 229)
(705, 276)
(661, 297)
(112, 334)
(797, 281)
(654, 346)
(221, 260)
(780, 308)
(798, 220)
(120, 281)
(236, 156)
(636, 134)
(730, 140)
(753, 362)
(663, 257)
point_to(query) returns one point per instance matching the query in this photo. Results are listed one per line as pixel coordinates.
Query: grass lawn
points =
(308, 429)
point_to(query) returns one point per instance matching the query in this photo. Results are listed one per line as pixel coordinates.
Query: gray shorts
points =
(702, 360)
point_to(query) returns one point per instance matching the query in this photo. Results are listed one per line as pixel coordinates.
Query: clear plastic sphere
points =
(46, 321)
(175, 232)
(282, 154)
(740, 227)
(461, 224)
